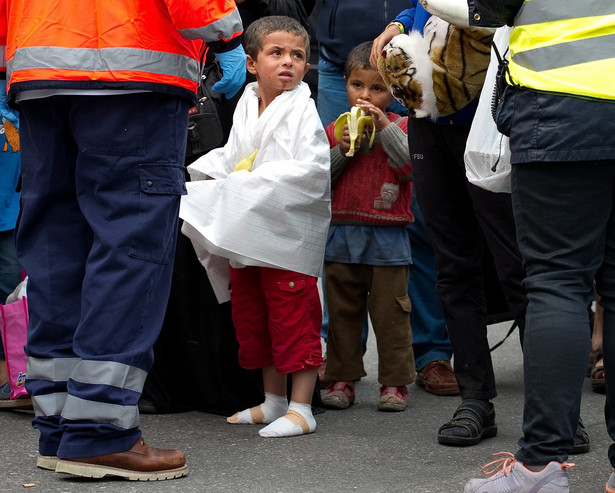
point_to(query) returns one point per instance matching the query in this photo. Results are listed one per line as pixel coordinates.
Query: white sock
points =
(267, 412)
(299, 420)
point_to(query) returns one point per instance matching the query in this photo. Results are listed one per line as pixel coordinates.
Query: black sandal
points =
(472, 417)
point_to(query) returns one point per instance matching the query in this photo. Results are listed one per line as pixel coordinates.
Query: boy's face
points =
(367, 84)
(281, 63)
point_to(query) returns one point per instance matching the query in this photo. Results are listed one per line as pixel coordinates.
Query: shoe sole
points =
(391, 407)
(337, 404)
(488, 432)
(16, 404)
(99, 471)
(579, 449)
(47, 462)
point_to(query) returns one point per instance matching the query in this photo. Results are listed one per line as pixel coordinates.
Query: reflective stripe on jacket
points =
(565, 47)
(71, 44)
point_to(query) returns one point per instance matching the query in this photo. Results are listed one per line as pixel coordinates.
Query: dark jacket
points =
(547, 127)
(343, 24)
(493, 13)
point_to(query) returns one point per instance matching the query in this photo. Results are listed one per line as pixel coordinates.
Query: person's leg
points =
(53, 240)
(563, 213)
(295, 314)
(441, 189)
(99, 261)
(439, 178)
(389, 305)
(606, 291)
(250, 317)
(430, 341)
(10, 277)
(347, 301)
(495, 216)
(10, 269)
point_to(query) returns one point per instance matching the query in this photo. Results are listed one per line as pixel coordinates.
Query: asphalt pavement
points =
(356, 450)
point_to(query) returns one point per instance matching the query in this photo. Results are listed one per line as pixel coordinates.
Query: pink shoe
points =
(392, 398)
(340, 395)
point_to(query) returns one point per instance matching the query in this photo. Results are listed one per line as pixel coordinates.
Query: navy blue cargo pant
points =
(102, 180)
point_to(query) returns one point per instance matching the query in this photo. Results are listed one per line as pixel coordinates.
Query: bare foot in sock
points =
(267, 412)
(297, 421)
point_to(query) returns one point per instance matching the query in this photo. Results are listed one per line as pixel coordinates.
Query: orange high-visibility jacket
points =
(112, 44)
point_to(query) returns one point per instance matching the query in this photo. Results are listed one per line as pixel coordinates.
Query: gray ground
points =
(357, 450)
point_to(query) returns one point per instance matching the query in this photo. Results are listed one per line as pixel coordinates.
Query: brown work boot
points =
(140, 463)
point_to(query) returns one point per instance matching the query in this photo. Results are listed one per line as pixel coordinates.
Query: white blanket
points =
(278, 214)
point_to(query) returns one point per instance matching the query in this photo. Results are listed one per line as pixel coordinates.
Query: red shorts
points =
(277, 316)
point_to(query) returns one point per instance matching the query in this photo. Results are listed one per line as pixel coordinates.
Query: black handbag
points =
(204, 126)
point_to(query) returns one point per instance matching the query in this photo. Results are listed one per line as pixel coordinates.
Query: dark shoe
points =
(473, 420)
(581, 440)
(140, 463)
(438, 378)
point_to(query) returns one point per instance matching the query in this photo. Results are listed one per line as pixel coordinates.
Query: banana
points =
(356, 120)
(246, 163)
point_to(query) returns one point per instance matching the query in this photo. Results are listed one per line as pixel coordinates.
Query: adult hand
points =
(379, 43)
(233, 65)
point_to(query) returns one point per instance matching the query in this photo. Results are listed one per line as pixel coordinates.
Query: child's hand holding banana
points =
(352, 125)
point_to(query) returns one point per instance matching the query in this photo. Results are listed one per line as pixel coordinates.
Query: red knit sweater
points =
(371, 189)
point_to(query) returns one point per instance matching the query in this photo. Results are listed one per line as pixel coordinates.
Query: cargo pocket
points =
(404, 303)
(292, 286)
(160, 187)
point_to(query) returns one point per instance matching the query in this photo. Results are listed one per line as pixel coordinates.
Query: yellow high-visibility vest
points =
(565, 47)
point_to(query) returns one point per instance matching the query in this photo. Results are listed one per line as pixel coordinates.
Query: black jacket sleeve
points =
(493, 13)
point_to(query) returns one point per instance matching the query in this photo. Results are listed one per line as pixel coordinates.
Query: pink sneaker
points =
(392, 398)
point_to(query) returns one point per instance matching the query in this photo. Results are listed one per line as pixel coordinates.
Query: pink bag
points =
(13, 328)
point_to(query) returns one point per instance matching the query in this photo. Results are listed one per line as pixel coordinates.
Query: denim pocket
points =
(160, 187)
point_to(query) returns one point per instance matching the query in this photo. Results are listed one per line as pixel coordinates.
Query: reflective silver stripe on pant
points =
(77, 409)
(49, 404)
(110, 373)
(567, 54)
(538, 11)
(51, 369)
(103, 60)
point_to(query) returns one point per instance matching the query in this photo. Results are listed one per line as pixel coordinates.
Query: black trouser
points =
(460, 218)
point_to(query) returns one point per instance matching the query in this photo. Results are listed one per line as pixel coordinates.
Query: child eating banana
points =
(367, 257)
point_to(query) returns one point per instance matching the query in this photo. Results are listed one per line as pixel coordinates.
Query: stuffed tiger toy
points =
(441, 71)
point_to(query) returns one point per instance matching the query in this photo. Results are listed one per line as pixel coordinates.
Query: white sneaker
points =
(508, 476)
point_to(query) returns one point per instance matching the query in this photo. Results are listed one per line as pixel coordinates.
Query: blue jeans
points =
(566, 233)
(332, 95)
(429, 335)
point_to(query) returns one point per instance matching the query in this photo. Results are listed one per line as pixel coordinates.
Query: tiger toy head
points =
(407, 71)
(440, 72)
